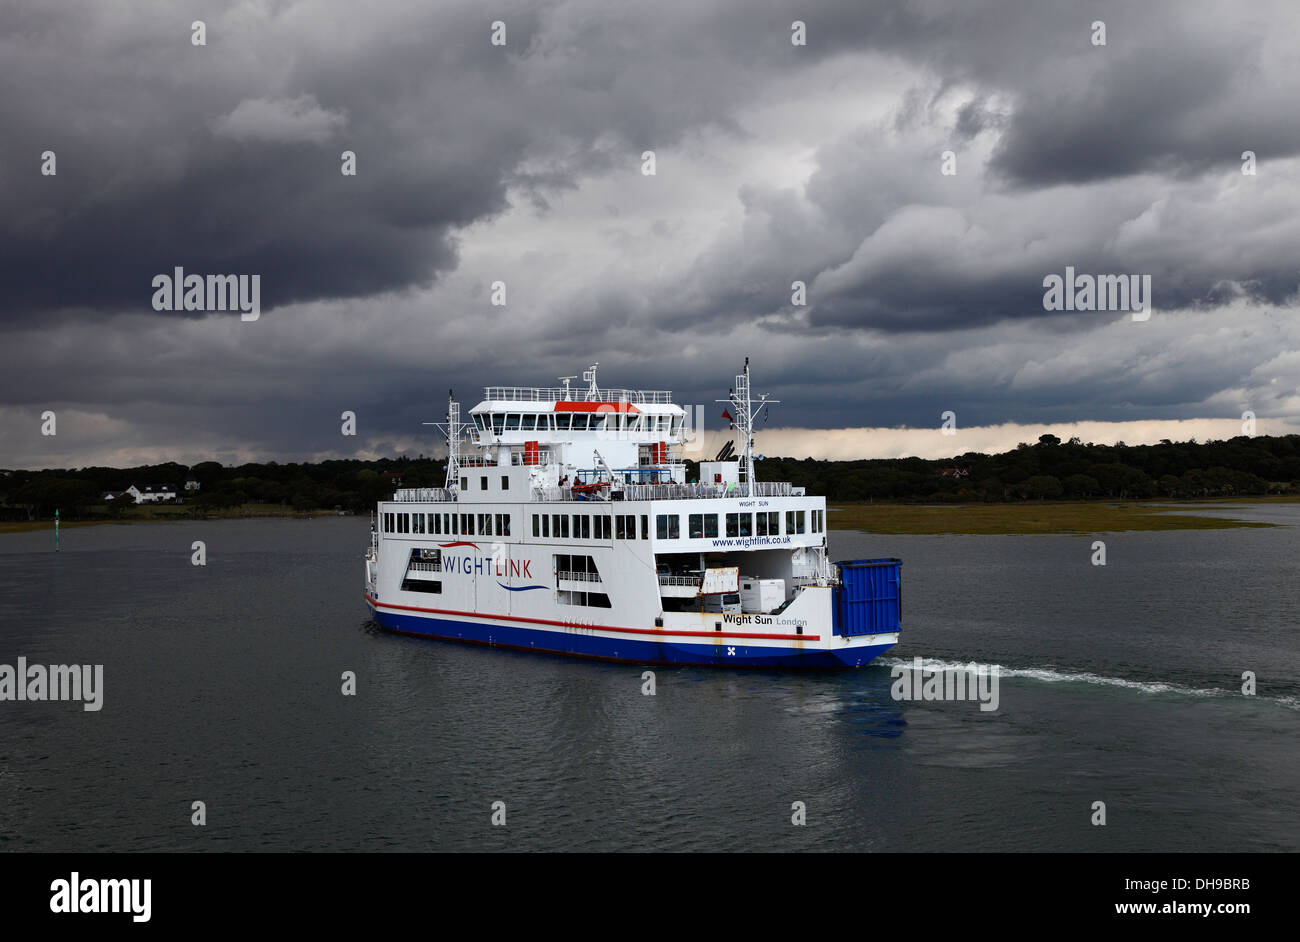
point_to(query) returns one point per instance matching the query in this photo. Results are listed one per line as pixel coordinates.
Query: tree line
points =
(1048, 469)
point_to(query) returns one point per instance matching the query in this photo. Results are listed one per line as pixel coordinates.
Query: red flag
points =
(727, 415)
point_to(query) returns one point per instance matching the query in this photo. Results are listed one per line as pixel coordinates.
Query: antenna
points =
(589, 376)
(453, 428)
(565, 381)
(743, 411)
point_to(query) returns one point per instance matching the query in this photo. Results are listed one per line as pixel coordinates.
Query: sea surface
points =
(1119, 684)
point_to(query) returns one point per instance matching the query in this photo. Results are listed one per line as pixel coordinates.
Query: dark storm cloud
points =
(160, 164)
(1123, 158)
(170, 154)
(152, 175)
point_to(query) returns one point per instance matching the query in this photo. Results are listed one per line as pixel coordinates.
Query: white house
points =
(151, 495)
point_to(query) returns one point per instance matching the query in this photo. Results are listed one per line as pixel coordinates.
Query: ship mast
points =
(743, 411)
(453, 428)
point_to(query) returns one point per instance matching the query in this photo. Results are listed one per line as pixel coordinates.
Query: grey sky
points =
(521, 163)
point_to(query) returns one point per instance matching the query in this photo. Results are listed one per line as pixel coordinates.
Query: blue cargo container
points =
(869, 598)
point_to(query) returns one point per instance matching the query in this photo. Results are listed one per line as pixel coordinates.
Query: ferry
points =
(567, 525)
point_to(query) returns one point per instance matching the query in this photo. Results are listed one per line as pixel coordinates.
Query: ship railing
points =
(579, 576)
(558, 394)
(700, 491)
(679, 580)
(676, 491)
(423, 494)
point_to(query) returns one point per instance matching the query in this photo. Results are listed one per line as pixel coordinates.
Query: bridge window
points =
(498, 422)
(562, 420)
(579, 422)
(529, 422)
(512, 422)
(481, 421)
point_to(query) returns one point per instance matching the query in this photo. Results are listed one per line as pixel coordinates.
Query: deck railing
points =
(423, 494)
(679, 580)
(558, 394)
(636, 492)
(630, 492)
(579, 576)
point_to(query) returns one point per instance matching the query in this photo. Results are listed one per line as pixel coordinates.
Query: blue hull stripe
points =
(577, 644)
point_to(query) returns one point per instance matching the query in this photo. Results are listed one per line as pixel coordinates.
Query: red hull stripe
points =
(565, 624)
(595, 407)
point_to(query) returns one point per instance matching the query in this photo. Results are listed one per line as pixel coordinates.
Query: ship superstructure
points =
(567, 524)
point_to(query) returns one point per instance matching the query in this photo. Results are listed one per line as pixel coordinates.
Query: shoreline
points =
(1062, 518)
(47, 525)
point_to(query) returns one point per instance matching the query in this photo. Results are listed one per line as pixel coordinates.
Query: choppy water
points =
(1118, 684)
